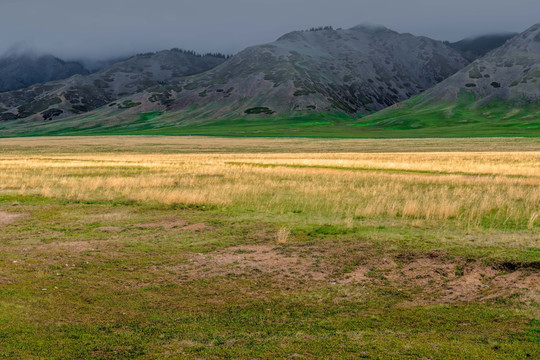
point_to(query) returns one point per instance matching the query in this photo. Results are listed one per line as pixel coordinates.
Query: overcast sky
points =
(106, 28)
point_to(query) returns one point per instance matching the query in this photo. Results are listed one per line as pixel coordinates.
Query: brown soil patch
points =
(71, 246)
(107, 247)
(435, 279)
(8, 218)
(168, 223)
(254, 259)
(427, 279)
(174, 223)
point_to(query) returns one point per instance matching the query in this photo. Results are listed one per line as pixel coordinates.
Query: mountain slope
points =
(501, 89)
(359, 70)
(476, 47)
(79, 94)
(510, 72)
(20, 71)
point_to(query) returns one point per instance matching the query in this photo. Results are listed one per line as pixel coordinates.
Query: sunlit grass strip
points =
(468, 189)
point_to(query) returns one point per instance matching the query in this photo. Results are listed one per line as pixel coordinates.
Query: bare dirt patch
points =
(427, 279)
(168, 223)
(254, 259)
(8, 218)
(109, 247)
(68, 247)
(77, 246)
(174, 222)
(436, 279)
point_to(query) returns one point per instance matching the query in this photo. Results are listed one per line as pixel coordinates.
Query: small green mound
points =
(149, 115)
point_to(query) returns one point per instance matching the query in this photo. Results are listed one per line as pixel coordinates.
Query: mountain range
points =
(79, 94)
(343, 74)
(22, 70)
(359, 70)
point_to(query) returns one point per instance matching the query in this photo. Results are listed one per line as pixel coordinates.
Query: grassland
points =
(190, 247)
(411, 119)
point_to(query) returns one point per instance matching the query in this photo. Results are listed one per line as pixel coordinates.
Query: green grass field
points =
(410, 119)
(216, 248)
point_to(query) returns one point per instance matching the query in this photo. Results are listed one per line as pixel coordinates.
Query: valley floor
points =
(216, 248)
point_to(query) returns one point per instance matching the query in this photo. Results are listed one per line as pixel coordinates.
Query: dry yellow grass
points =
(471, 188)
(210, 180)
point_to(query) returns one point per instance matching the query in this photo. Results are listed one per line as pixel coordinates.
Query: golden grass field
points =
(331, 248)
(470, 188)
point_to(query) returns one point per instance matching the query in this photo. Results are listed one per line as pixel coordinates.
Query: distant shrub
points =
(51, 113)
(80, 108)
(320, 28)
(475, 73)
(164, 98)
(259, 110)
(37, 106)
(470, 85)
(191, 86)
(303, 92)
(496, 85)
(100, 84)
(128, 104)
(7, 116)
(192, 53)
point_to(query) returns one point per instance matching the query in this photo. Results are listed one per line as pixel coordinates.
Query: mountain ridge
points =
(79, 94)
(309, 67)
(475, 47)
(357, 70)
(510, 72)
(18, 71)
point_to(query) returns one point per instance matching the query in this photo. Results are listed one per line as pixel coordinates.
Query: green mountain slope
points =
(438, 120)
(498, 94)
